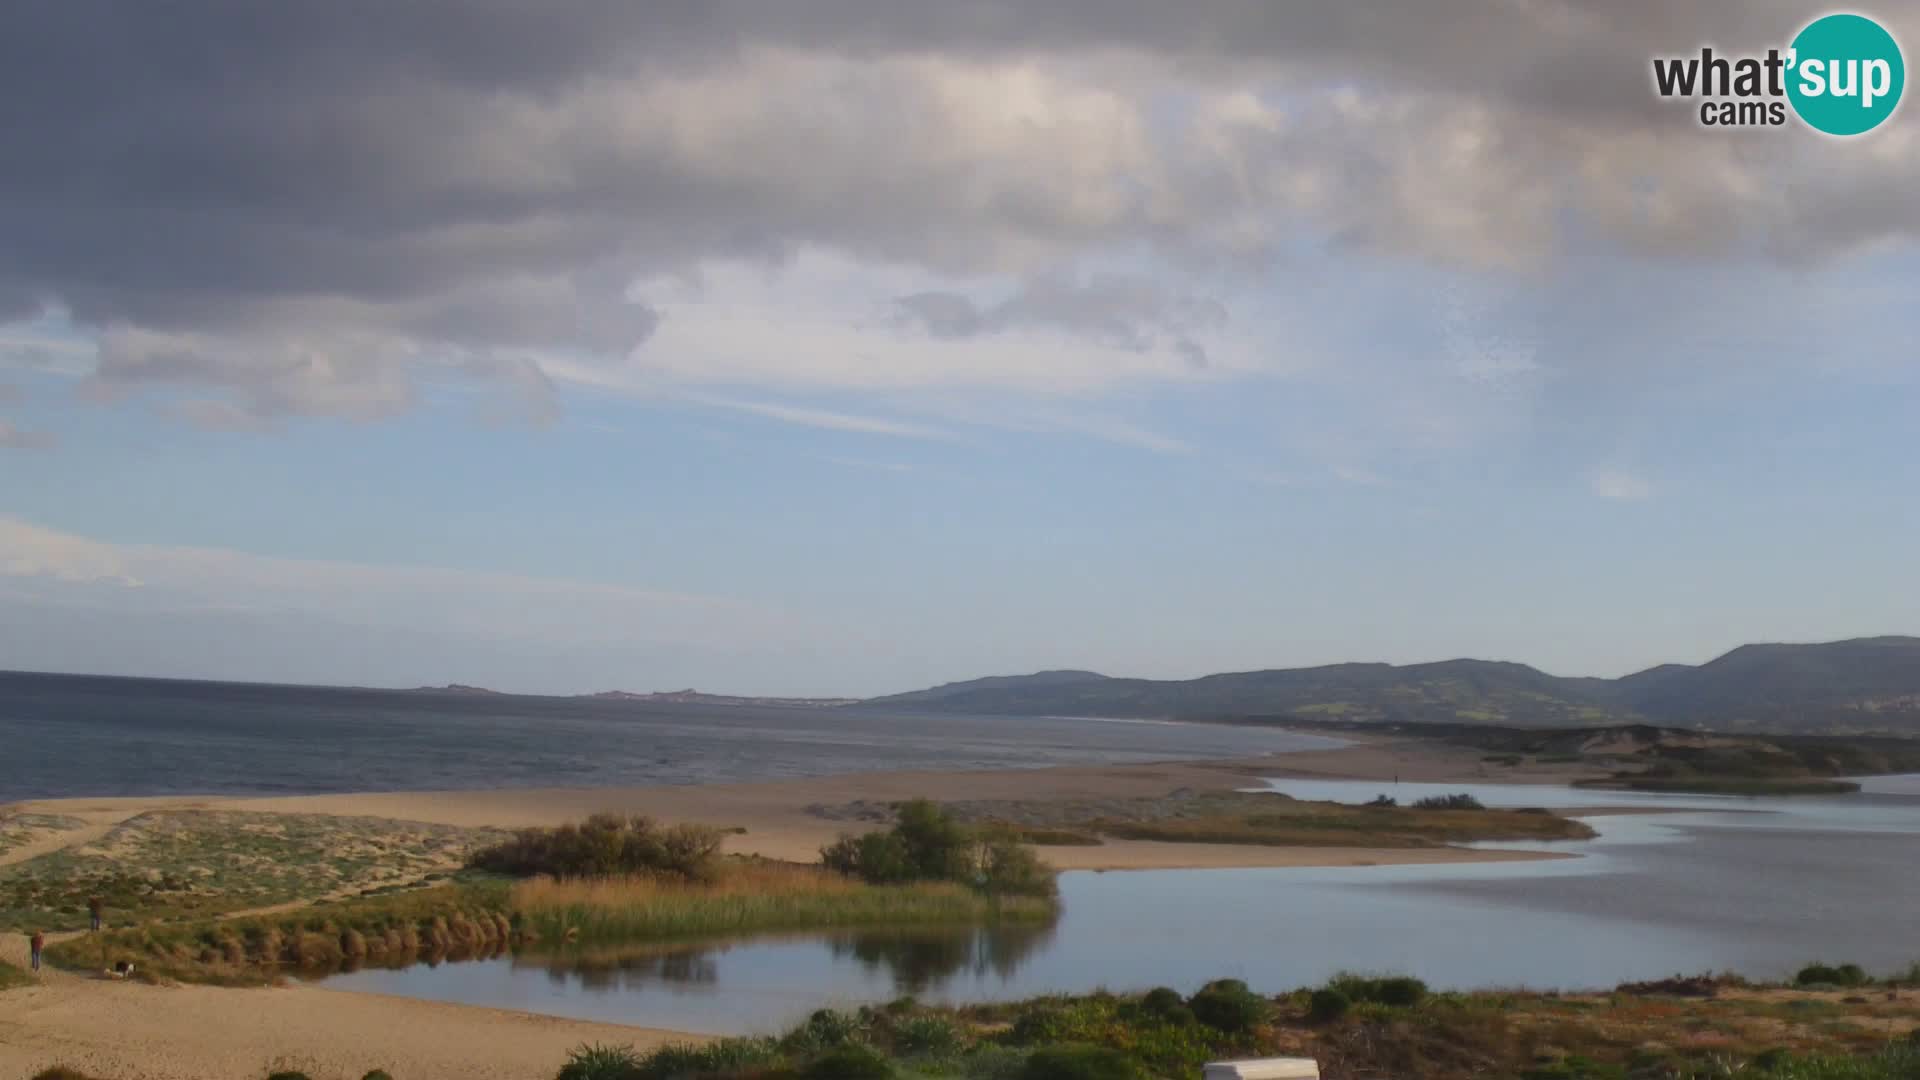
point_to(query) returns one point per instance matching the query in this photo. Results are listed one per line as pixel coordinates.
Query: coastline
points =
(175, 1032)
(777, 823)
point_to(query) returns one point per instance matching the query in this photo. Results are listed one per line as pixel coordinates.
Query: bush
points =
(1227, 1005)
(1165, 1003)
(1828, 975)
(605, 845)
(597, 1062)
(376, 1074)
(1384, 801)
(1008, 869)
(1448, 802)
(1078, 1063)
(287, 1074)
(926, 844)
(679, 1060)
(1402, 991)
(850, 1062)
(926, 1033)
(1328, 1005)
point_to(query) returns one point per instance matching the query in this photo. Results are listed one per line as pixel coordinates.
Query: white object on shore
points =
(1263, 1069)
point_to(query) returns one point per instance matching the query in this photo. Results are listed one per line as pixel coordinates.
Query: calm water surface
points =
(1752, 885)
(83, 735)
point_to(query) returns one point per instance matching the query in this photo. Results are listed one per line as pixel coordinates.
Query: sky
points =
(844, 347)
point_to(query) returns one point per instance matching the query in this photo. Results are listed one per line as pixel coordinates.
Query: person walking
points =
(39, 942)
(94, 907)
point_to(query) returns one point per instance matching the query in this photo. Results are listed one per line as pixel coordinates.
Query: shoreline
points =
(123, 1030)
(778, 824)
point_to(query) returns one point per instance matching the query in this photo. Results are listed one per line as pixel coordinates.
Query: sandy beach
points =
(130, 1030)
(778, 824)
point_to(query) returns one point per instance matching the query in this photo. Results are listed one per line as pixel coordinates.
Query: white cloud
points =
(1612, 483)
(547, 613)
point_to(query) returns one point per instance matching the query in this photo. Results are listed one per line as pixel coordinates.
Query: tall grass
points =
(747, 897)
(449, 920)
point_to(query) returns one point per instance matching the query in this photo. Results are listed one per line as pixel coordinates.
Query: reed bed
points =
(747, 898)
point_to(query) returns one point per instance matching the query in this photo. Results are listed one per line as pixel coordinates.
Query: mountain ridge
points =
(1856, 685)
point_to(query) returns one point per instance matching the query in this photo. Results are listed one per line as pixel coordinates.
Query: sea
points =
(83, 735)
(1702, 883)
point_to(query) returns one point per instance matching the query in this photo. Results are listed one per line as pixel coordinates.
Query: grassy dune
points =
(186, 864)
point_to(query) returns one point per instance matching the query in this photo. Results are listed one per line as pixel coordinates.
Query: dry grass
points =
(746, 896)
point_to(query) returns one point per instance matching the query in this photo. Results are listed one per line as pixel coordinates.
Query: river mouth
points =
(1710, 883)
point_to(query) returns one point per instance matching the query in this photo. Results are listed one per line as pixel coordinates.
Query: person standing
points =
(94, 908)
(39, 942)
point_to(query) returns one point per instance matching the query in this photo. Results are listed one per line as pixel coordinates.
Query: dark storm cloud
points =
(297, 202)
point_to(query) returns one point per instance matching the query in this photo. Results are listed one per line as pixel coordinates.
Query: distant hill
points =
(695, 697)
(1864, 685)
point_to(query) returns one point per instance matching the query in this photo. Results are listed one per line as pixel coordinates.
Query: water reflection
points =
(1758, 886)
(915, 961)
(919, 963)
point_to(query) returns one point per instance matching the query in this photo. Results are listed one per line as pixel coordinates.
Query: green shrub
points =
(1461, 801)
(599, 1062)
(605, 845)
(1227, 1005)
(927, 844)
(1829, 975)
(1078, 1063)
(1327, 1005)
(1165, 1003)
(377, 1074)
(1400, 991)
(678, 1060)
(287, 1074)
(878, 858)
(1009, 869)
(853, 1061)
(927, 1033)
(826, 1029)
(1041, 1023)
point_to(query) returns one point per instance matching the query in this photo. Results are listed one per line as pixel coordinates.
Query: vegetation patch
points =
(444, 922)
(605, 845)
(186, 864)
(480, 918)
(928, 844)
(1356, 1027)
(748, 896)
(1228, 817)
(19, 829)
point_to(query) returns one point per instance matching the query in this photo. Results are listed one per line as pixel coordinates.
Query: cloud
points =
(13, 438)
(329, 210)
(1609, 483)
(823, 418)
(50, 567)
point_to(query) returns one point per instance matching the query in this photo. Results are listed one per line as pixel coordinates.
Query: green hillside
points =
(1864, 685)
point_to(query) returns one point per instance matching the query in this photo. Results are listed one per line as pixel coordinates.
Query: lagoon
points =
(1758, 886)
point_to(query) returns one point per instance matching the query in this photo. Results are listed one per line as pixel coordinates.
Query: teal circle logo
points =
(1846, 74)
